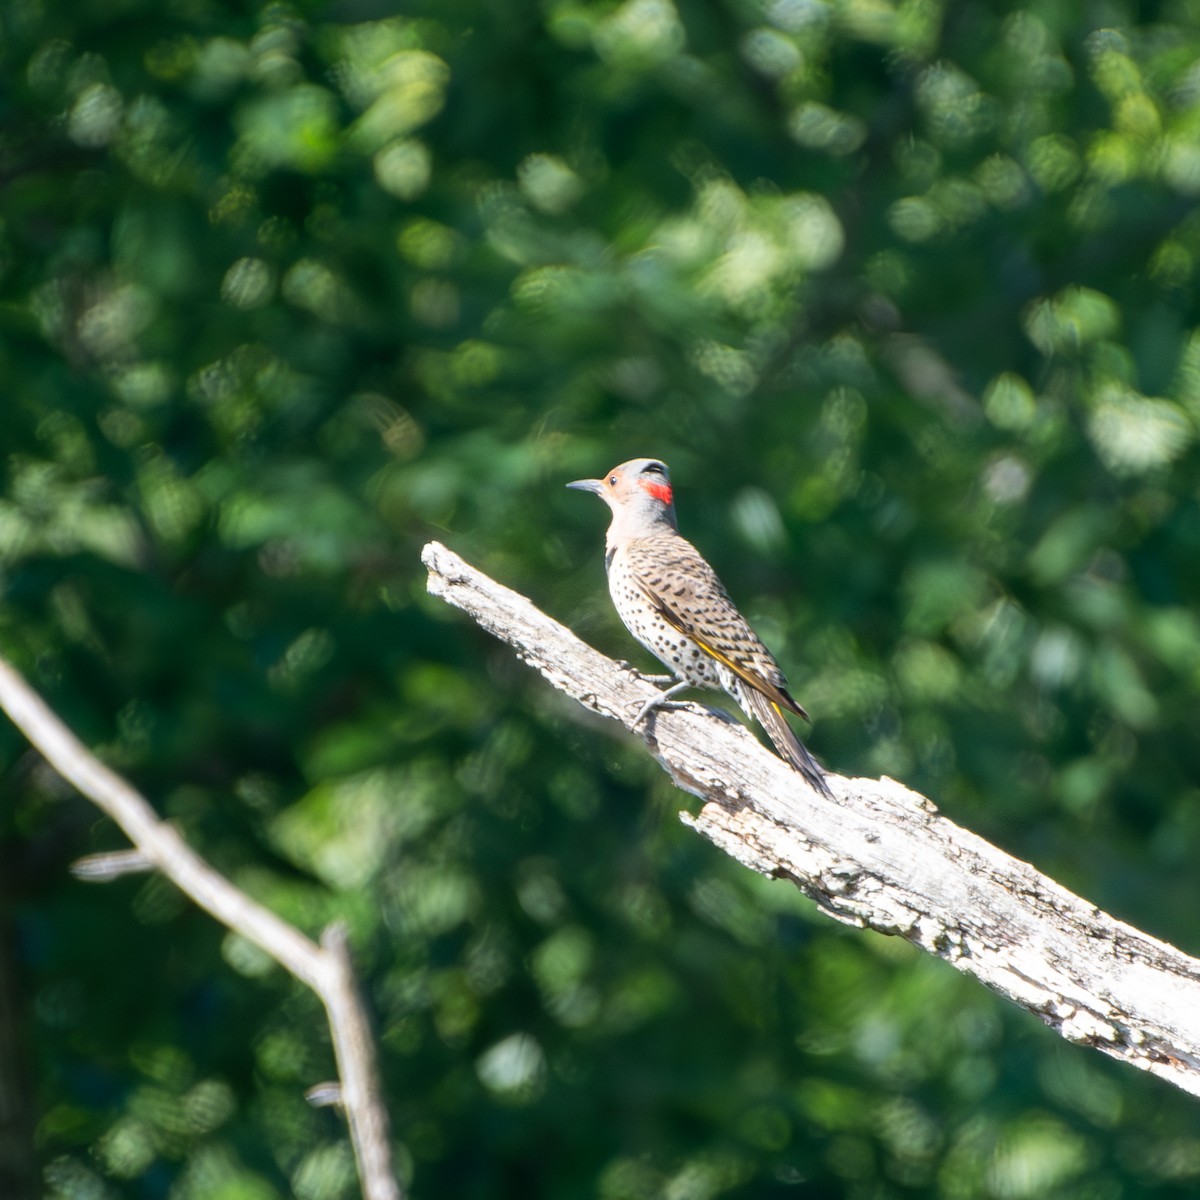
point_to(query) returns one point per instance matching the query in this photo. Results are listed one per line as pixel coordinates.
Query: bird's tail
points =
(791, 749)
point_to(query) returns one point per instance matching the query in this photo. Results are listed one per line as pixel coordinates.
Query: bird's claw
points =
(653, 705)
(661, 700)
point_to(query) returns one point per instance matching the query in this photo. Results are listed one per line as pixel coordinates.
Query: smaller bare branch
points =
(354, 1048)
(156, 844)
(102, 868)
(325, 1095)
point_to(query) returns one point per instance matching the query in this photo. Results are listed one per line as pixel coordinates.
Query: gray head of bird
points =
(639, 494)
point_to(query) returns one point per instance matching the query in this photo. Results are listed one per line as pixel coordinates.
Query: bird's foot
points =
(662, 700)
(654, 706)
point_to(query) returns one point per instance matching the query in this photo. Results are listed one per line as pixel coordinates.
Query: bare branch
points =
(325, 1095)
(882, 857)
(355, 1052)
(102, 868)
(326, 968)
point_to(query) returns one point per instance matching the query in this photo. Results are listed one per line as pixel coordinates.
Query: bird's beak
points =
(587, 485)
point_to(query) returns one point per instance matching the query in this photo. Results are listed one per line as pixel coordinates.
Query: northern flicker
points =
(673, 603)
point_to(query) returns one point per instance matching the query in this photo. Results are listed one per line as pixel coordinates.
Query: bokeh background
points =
(905, 291)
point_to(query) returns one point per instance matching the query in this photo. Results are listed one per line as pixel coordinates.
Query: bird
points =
(672, 602)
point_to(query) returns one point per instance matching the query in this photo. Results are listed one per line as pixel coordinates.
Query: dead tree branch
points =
(882, 857)
(157, 844)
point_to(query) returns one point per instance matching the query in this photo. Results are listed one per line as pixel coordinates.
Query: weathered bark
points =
(882, 857)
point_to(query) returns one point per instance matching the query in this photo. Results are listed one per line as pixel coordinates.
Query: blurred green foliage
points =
(906, 293)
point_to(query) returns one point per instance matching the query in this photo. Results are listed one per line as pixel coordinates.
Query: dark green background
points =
(905, 293)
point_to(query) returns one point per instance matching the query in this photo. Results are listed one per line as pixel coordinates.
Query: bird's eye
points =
(654, 469)
(612, 481)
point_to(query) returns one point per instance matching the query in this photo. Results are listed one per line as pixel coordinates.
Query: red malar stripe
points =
(660, 491)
